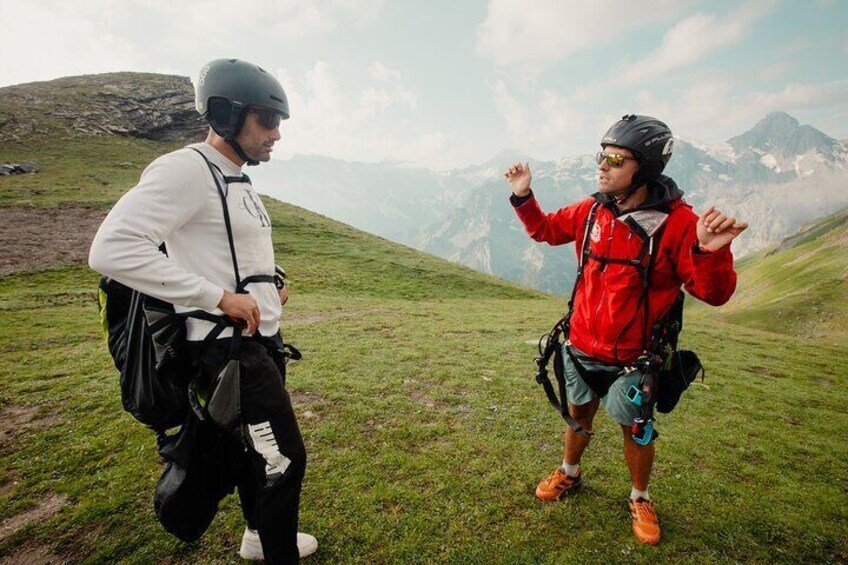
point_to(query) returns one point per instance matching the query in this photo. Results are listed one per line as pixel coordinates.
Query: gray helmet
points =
(648, 138)
(227, 87)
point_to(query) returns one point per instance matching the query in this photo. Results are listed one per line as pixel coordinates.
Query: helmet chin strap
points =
(230, 138)
(635, 183)
(240, 152)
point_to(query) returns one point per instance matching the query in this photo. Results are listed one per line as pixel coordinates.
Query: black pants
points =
(271, 475)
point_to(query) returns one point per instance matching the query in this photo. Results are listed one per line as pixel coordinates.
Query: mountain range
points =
(777, 176)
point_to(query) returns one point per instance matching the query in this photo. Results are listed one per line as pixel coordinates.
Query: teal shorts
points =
(615, 402)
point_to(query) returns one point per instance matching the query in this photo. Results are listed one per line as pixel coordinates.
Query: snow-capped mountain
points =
(777, 176)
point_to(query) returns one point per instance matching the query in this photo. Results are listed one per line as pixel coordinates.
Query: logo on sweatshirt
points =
(251, 204)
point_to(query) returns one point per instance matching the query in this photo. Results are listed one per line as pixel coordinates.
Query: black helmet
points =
(226, 87)
(649, 139)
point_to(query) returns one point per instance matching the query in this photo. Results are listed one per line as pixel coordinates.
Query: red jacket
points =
(608, 320)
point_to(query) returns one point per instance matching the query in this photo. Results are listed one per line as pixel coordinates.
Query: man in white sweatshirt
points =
(178, 202)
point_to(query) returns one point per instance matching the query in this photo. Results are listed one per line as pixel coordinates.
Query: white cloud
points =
(382, 73)
(515, 114)
(41, 40)
(50, 39)
(379, 119)
(374, 100)
(714, 110)
(694, 38)
(797, 96)
(544, 124)
(516, 32)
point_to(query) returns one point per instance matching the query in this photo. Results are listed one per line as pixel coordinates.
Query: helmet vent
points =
(277, 99)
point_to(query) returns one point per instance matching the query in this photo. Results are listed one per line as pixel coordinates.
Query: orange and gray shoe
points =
(645, 523)
(556, 485)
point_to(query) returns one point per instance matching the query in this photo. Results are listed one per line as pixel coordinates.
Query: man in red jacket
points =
(636, 229)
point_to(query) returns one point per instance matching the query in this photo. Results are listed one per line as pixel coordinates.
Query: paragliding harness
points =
(666, 372)
(147, 339)
(159, 387)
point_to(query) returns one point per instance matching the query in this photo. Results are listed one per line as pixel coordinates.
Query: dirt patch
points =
(45, 510)
(33, 555)
(13, 419)
(16, 419)
(40, 238)
(306, 398)
(9, 484)
(763, 371)
(308, 405)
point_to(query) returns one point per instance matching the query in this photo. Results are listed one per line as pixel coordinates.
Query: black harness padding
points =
(599, 381)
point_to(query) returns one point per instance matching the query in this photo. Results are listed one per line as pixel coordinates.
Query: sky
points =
(446, 84)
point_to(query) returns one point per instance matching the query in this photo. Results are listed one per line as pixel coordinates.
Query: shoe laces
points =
(555, 478)
(558, 477)
(643, 510)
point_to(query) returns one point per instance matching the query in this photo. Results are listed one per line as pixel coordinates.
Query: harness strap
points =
(553, 348)
(255, 279)
(223, 194)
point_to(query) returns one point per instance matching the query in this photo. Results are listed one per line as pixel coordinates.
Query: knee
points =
(583, 414)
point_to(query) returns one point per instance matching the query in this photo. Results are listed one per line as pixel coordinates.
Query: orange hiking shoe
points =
(556, 485)
(645, 523)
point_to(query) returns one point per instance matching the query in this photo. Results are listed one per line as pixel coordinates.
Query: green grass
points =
(799, 287)
(425, 430)
(426, 435)
(91, 171)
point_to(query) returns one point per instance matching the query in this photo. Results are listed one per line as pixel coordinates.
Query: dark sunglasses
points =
(268, 118)
(613, 159)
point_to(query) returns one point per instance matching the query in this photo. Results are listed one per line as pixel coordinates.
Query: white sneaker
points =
(251, 547)
(306, 544)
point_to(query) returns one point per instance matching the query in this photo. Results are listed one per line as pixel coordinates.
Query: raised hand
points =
(715, 230)
(518, 177)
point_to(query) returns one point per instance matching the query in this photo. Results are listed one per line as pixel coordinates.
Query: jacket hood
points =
(662, 193)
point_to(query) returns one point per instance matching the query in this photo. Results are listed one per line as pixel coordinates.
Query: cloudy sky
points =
(446, 83)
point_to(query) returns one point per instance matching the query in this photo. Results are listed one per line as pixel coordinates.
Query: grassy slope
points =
(798, 287)
(425, 430)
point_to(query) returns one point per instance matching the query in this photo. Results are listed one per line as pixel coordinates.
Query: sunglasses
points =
(268, 118)
(613, 159)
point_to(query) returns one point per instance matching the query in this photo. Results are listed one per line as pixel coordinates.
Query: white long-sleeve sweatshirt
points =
(176, 202)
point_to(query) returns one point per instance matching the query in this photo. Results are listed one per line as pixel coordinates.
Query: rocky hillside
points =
(148, 106)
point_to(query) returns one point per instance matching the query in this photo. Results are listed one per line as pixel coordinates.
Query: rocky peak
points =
(149, 106)
(783, 136)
